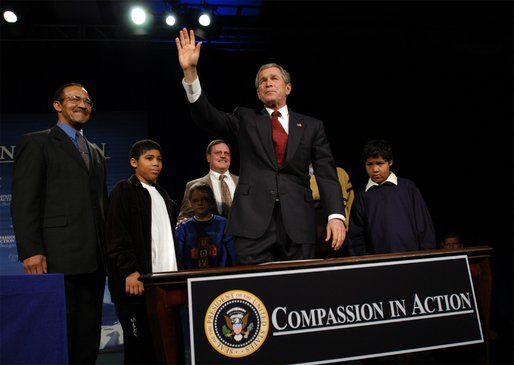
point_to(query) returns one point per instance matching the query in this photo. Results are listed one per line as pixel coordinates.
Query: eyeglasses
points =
(75, 99)
(219, 153)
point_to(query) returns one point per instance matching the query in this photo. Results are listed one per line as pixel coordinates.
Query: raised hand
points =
(188, 53)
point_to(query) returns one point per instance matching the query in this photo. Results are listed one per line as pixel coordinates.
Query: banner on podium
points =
(334, 313)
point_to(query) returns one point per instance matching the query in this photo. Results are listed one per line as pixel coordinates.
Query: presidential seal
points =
(236, 323)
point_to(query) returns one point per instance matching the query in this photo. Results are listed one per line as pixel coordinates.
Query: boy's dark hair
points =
(214, 143)
(377, 148)
(203, 187)
(140, 147)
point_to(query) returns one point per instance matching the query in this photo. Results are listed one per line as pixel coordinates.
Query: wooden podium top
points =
(181, 276)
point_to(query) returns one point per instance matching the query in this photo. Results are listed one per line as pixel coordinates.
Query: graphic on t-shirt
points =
(205, 249)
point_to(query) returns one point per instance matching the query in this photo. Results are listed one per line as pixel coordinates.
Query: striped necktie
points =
(226, 198)
(82, 145)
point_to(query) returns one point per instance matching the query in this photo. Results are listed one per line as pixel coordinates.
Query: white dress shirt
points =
(215, 180)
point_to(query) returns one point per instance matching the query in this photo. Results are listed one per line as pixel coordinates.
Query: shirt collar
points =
(69, 130)
(217, 174)
(391, 179)
(284, 112)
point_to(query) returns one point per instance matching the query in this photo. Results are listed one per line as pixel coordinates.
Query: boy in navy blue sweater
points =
(201, 240)
(389, 213)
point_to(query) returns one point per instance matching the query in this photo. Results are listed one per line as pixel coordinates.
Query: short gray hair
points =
(285, 74)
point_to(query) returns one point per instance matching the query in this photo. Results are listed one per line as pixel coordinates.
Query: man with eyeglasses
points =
(58, 209)
(218, 156)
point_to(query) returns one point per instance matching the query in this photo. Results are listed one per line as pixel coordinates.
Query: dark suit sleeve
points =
(121, 247)
(27, 194)
(216, 122)
(326, 175)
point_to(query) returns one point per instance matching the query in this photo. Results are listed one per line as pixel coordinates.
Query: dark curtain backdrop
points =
(435, 78)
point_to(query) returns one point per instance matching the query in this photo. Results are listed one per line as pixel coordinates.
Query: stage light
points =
(171, 20)
(138, 15)
(10, 17)
(204, 19)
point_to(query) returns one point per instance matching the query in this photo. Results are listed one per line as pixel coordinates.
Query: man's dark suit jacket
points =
(58, 205)
(262, 182)
(186, 211)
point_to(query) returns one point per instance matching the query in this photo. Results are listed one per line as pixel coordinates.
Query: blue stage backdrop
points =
(114, 133)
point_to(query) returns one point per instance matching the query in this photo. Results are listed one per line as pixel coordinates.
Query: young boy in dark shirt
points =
(140, 240)
(389, 213)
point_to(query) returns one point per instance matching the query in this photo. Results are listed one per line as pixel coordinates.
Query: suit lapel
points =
(263, 126)
(296, 129)
(64, 141)
(93, 154)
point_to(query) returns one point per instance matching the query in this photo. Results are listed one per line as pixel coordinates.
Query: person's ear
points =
(133, 162)
(289, 87)
(57, 106)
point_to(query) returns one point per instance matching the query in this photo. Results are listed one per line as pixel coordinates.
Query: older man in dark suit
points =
(272, 216)
(59, 194)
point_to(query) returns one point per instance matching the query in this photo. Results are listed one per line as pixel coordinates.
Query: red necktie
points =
(279, 137)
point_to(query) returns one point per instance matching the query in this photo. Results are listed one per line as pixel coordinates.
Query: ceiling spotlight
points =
(171, 20)
(10, 17)
(204, 19)
(138, 15)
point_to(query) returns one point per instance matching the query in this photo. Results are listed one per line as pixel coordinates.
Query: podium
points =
(167, 292)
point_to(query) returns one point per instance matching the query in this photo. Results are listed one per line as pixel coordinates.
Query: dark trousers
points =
(138, 346)
(84, 305)
(273, 245)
